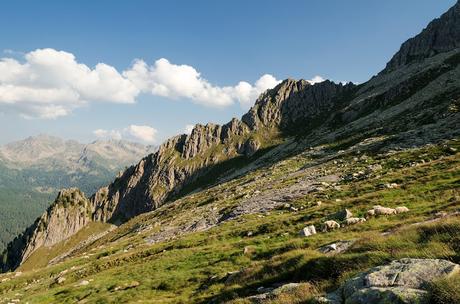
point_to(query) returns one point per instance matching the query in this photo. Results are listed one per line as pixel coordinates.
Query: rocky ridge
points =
(70, 212)
(441, 35)
(183, 159)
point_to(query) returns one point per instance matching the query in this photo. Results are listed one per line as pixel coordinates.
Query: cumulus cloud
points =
(47, 83)
(141, 133)
(246, 94)
(183, 81)
(50, 84)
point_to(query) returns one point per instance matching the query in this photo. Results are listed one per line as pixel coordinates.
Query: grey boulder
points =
(402, 281)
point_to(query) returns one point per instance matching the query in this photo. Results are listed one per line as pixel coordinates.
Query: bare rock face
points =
(178, 162)
(294, 103)
(249, 147)
(441, 35)
(201, 139)
(401, 281)
(70, 212)
(232, 128)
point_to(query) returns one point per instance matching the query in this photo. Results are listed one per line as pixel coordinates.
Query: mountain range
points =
(259, 210)
(33, 170)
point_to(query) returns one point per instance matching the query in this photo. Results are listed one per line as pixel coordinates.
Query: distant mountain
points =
(47, 152)
(33, 170)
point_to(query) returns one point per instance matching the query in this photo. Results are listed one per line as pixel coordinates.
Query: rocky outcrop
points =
(201, 139)
(70, 212)
(336, 247)
(233, 128)
(402, 281)
(249, 147)
(183, 159)
(294, 104)
(270, 294)
(441, 35)
(178, 162)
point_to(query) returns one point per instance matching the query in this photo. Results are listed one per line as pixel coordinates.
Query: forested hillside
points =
(29, 183)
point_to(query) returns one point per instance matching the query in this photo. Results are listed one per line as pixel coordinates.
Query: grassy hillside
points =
(162, 257)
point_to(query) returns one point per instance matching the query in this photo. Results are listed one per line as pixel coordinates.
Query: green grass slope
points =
(150, 260)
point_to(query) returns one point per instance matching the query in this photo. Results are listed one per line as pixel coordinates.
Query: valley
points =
(33, 171)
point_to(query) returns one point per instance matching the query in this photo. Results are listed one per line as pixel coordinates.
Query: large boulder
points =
(403, 281)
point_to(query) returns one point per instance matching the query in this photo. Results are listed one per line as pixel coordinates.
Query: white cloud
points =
(188, 129)
(183, 81)
(316, 79)
(48, 83)
(246, 94)
(144, 133)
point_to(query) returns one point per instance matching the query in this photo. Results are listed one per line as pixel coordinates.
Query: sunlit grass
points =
(194, 267)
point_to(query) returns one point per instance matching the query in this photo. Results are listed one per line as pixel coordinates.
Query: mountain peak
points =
(440, 36)
(294, 102)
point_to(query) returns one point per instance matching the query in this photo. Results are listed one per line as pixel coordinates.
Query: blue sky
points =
(225, 41)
